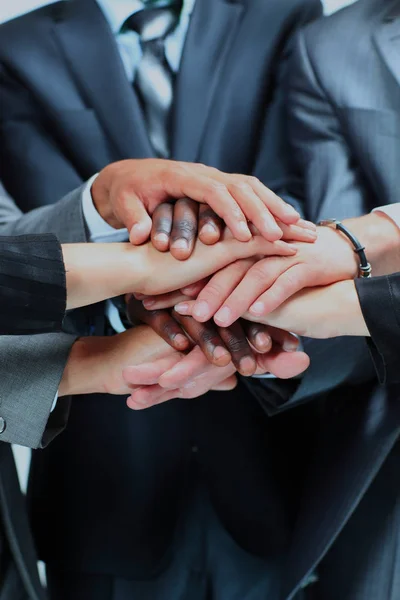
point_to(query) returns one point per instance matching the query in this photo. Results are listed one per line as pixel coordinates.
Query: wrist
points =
(381, 238)
(347, 318)
(100, 192)
(347, 260)
(83, 371)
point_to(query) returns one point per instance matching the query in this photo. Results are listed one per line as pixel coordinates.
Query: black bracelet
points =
(365, 268)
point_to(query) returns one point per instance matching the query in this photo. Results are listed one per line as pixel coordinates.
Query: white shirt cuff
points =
(54, 401)
(392, 211)
(99, 230)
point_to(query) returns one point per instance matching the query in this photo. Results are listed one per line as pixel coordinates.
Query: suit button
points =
(3, 425)
(195, 449)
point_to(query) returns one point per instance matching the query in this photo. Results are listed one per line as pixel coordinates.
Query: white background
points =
(10, 9)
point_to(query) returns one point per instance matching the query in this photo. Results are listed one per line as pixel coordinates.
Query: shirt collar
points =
(117, 11)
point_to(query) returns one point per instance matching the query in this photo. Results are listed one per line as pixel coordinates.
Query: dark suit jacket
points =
(380, 304)
(32, 300)
(119, 478)
(33, 289)
(344, 124)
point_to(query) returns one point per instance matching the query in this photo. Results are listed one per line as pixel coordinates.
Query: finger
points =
(190, 367)
(258, 336)
(161, 322)
(162, 226)
(129, 209)
(184, 228)
(202, 384)
(210, 225)
(296, 233)
(278, 208)
(194, 289)
(242, 355)
(206, 336)
(218, 289)
(255, 210)
(214, 192)
(284, 365)
(258, 279)
(286, 285)
(307, 224)
(286, 340)
(150, 396)
(228, 384)
(163, 300)
(149, 373)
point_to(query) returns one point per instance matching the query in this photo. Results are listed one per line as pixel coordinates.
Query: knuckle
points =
(241, 186)
(208, 336)
(253, 181)
(169, 328)
(259, 272)
(185, 226)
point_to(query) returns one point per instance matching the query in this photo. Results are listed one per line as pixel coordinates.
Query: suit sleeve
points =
(380, 304)
(32, 285)
(31, 366)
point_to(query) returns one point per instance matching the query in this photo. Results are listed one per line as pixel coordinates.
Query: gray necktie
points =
(154, 78)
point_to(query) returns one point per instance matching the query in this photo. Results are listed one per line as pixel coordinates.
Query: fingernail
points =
(201, 309)
(180, 340)
(290, 345)
(223, 315)
(247, 365)
(161, 237)
(291, 211)
(221, 353)
(148, 303)
(272, 227)
(208, 229)
(138, 228)
(182, 308)
(180, 244)
(263, 340)
(243, 228)
(312, 235)
(257, 308)
(307, 225)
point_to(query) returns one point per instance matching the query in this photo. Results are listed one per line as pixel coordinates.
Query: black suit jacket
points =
(119, 478)
(32, 280)
(380, 304)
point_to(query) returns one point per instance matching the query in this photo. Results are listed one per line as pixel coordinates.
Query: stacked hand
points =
(130, 193)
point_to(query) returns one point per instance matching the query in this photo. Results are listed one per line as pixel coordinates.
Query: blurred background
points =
(8, 10)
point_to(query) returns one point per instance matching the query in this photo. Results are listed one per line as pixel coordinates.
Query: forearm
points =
(95, 272)
(381, 238)
(321, 313)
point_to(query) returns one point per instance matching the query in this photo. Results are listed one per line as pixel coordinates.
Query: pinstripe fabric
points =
(32, 284)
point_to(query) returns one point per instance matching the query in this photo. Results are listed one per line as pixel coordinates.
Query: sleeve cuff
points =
(392, 211)
(99, 230)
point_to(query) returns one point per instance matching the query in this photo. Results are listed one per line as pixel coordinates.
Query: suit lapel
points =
(210, 36)
(92, 55)
(387, 39)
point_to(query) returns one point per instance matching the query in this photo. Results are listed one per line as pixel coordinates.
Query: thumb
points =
(131, 211)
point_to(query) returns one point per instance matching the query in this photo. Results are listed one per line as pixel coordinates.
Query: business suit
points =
(33, 299)
(228, 112)
(380, 300)
(344, 127)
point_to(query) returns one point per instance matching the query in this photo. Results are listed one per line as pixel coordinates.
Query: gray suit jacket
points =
(27, 392)
(344, 124)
